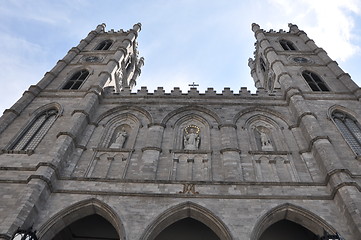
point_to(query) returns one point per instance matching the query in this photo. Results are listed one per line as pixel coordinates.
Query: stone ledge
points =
(204, 190)
(127, 150)
(269, 152)
(190, 151)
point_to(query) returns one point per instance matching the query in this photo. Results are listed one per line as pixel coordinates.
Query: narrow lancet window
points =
(262, 64)
(105, 45)
(76, 80)
(32, 136)
(314, 81)
(350, 129)
(287, 45)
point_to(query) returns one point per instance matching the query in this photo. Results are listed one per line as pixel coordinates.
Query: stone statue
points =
(266, 144)
(191, 139)
(120, 139)
(271, 76)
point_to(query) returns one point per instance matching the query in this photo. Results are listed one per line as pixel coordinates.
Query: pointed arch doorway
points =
(89, 219)
(187, 221)
(187, 228)
(92, 227)
(285, 230)
(288, 221)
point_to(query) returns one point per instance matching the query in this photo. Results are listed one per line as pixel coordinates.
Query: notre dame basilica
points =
(83, 156)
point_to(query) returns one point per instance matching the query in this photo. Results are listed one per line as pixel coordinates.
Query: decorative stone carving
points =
(271, 77)
(189, 188)
(191, 138)
(120, 139)
(264, 138)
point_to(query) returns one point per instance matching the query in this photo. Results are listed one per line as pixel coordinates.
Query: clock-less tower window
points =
(287, 45)
(76, 80)
(105, 45)
(315, 82)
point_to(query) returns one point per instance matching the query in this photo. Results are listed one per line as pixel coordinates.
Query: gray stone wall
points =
(260, 158)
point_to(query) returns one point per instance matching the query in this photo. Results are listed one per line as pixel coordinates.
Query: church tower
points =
(84, 157)
(280, 56)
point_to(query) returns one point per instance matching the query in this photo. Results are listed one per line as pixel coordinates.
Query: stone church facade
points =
(84, 157)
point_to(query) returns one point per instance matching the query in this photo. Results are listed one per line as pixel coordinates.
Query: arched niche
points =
(141, 113)
(265, 132)
(178, 120)
(77, 211)
(123, 122)
(243, 115)
(183, 211)
(184, 110)
(192, 121)
(292, 213)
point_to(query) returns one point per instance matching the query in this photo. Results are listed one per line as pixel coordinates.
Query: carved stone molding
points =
(230, 150)
(190, 151)
(152, 148)
(127, 150)
(189, 188)
(269, 152)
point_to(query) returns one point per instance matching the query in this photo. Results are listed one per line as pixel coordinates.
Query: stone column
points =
(152, 151)
(230, 153)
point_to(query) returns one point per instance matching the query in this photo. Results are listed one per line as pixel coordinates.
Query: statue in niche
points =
(120, 139)
(270, 80)
(191, 138)
(264, 139)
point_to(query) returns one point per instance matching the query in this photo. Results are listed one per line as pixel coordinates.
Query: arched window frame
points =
(262, 64)
(31, 136)
(349, 128)
(314, 81)
(76, 80)
(287, 45)
(104, 45)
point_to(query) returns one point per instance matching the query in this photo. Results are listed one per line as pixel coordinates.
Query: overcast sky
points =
(183, 41)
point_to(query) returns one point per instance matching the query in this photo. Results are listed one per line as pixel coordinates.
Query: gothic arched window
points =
(287, 45)
(31, 137)
(105, 45)
(76, 80)
(314, 81)
(350, 129)
(263, 64)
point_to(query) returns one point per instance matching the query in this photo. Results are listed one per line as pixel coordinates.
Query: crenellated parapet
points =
(192, 92)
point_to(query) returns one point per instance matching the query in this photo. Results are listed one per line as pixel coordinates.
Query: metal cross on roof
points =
(193, 85)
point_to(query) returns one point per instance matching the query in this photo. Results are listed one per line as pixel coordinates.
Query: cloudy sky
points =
(183, 41)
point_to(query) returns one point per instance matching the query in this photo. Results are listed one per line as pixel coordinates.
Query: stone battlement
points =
(227, 92)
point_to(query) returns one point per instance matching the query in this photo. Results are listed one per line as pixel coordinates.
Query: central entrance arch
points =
(187, 228)
(179, 216)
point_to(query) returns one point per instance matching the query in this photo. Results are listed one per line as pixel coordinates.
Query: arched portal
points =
(90, 227)
(285, 230)
(91, 213)
(178, 217)
(187, 228)
(290, 217)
